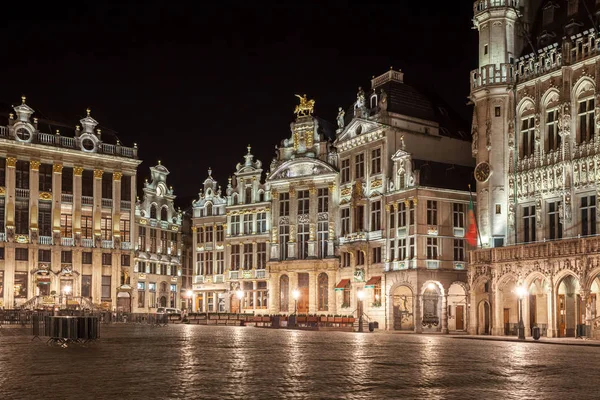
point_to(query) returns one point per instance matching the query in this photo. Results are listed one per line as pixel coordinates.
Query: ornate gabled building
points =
(157, 267)
(302, 183)
(248, 226)
(535, 138)
(209, 224)
(65, 212)
(404, 173)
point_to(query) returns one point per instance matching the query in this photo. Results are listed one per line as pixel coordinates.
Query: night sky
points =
(194, 84)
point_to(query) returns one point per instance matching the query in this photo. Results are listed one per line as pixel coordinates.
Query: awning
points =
(344, 283)
(375, 280)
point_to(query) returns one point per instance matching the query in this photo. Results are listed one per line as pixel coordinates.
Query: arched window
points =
(209, 210)
(261, 196)
(323, 292)
(153, 211)
(585, 116)
(284, 293)
(163, 214)
(234, 199)
(248, 195)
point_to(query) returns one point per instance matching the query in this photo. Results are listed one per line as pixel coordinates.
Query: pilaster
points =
(56, 197)
(77, 193)
(34, 194)
(97, 207)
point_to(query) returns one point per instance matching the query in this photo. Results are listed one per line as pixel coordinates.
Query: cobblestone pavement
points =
(199, 362)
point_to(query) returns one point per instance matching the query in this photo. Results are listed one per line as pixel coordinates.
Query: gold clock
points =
(483, 171)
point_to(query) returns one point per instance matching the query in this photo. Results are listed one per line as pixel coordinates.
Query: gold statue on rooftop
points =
(305, 107)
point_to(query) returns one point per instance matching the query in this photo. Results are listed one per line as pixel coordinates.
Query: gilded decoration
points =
(98, 173)
(45, 196)
(57, 168)
(35, 165)
(117, 176)
(21, 239)
(376, 183)
(11, 162)
(305, 107)
(292, 192)
(2, 191)
(77, 171)
(346, 191)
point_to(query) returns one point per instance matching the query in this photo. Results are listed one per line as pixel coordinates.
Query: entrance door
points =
(562, 316)
(486, 318)
(235, 304)
(43, 289)
(200, 302)
(460, 318)
(507, 321)
(123, 302)
(304, 293)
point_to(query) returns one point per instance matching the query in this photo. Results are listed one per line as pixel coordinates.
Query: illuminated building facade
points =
(66, 213)
(535, 138)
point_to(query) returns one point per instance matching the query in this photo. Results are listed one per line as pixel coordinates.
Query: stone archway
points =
(570, 311)
(484, 318)
(457, 307)
(507, 307)
(402, 303)
(536, 314)
(433, 300)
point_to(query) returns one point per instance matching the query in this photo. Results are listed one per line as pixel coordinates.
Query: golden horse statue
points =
(305, 107)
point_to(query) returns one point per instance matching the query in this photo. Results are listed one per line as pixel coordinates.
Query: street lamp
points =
(361, 295)
(296, 296)
(189, 294)
(240, 296)
(521, 292)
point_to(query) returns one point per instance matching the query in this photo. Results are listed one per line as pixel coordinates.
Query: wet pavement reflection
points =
(199, 362)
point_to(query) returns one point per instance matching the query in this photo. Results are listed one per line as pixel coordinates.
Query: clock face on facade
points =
(483, 171)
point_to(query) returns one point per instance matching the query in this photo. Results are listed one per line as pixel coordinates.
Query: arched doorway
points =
(484, 318)
(403, 306)
(457, 308)
(508, 307)
(537, 305)
(432, 308)
(569, 307)
(123, 302)
(163, 301)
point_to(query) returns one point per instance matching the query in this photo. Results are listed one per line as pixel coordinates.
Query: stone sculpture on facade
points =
(340, 118)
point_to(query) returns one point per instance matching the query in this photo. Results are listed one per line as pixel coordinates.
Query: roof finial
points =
(23, 98)
(209, 171)
(88, 111)
(391, 67)
(159, 162)
(249, 147)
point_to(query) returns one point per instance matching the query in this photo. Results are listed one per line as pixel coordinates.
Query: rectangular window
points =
(359, 218)
(20, 286)
(459, 250)
(21, 254)
(247, 224)
(87, 183)
(152, 292)
(220, 235)
(261, 222)
(303, 202)
(376, 215)
(66, 225)
(2, 214)
(376, 161)
(106, 287)
(586, 120)
(552, 130)
(125, 228)
(107, 186)
(359, 166)
(66, 256)
(458, 215)
(125, 260)
(588, 215)
(323, 200)
(209, 263)
(322, 238)
(393, 211)
(44, 255)
(284, 204)
(2, 175)
(235, 257)
(261, 255)
(554, 223)
(345, 171)
(345, 259)
(485, 49)
(200, 264)
(87, 226)
(248, 256)
(141, 293)
(529, 224)
(220, 262)
(126, 187)
(86, 285)
(360, 257)
(284, 236)
(345, 219)
(402, 249)
(163, 242)
(432, 248)
(106, 227)
(303, 236)
(45, 219)
(86, 257)
(402, 214)
(432, 212)
(200, 235)
(497, 111)
(45, 177)
(22, 175)
(376, 255)
(411, 213)
(412, 247)
(106, 259)
(22, 217)
(209, 234)
(528, 136)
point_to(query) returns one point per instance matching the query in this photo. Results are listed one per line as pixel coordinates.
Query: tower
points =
(493, 115)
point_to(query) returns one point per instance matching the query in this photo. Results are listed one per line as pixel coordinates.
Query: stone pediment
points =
(301, 167)
(357, 127)
(400, 154)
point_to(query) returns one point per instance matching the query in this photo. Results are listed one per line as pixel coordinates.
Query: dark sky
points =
(194, 84)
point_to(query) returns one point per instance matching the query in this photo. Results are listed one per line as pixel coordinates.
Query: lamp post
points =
(240, 296)
(361, 295)
(296, 296)
(521, 291)
(189, 294)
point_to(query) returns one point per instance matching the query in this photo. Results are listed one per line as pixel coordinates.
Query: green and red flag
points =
(471, 235)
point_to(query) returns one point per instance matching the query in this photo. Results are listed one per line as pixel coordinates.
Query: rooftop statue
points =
(305, 107)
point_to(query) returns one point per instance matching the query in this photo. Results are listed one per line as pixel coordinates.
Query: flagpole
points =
(475, 213)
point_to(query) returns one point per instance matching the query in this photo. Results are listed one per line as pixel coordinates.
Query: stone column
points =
(587, 320)
(9, 247)
(34, 195)
(293, 224)
(56, 198)
(497, 309)
(472, 307)
(97, 207)
(312, 292)
(445, 313)
(417, 314)
(77, 193)
(116, 219)
(525, 312)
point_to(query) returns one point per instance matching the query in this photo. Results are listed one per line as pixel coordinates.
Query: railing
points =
(66, 198)
(23, 193)
(45, 240)
(125, 245)
(87, 242)
(563, 247)
(67, 241)
(107, 203)
(482, 5)
(218, 278)
(352, 237)
(234, 274)
(261, 273)
(107, 148)
(107, 244)
(199, 279)
(3, 131)
(492, 75)
(87, 200)
(125, 205)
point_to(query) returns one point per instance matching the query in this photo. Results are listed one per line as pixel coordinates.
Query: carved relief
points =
(538, 212)
(488, 135)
